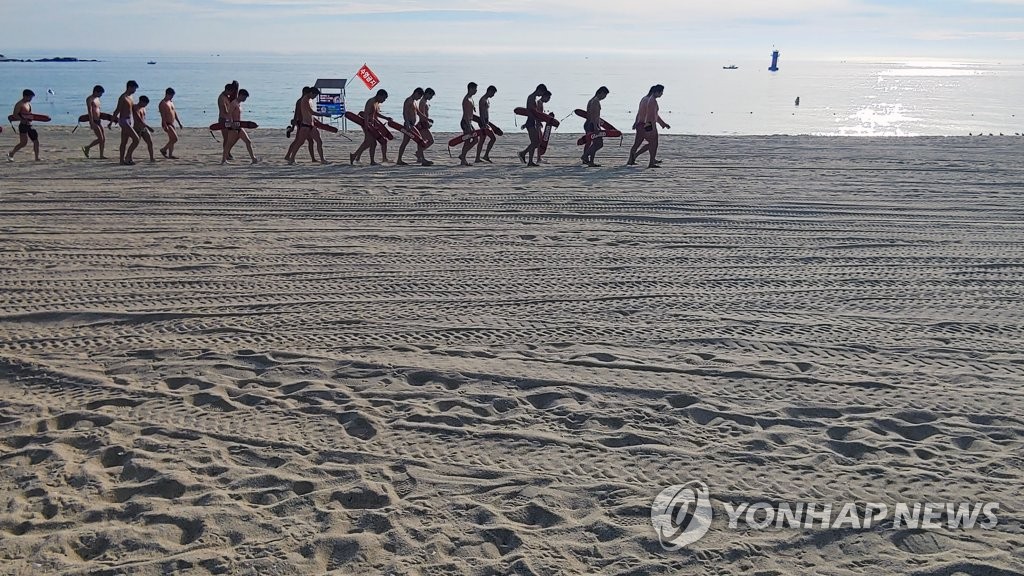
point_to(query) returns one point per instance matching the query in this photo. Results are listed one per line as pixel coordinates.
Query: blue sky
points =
(992, 29)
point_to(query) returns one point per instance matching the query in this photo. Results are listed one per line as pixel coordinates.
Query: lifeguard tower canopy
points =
(335, 84)
(332, 98)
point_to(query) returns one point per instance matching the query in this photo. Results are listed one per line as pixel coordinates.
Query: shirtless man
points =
(293, 148)
(647, 124)
(410, 118)
(234, 128)
(93, 109)
(485, 122)
(168, 117)
(468, 111)
(371, 119)
(314, 133)
(544, 127)
(144, 129)
(425, 121)
(532, 125)
(592, 126)
(124, 116)
(295, 113)
(303, 121)
(223, 113)
(23, 110)
(638, 125)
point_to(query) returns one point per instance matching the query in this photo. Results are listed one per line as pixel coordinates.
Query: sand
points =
(494, 370)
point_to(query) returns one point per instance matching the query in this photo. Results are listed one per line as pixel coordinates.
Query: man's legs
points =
(634, 151)
(491, 139)
(591, 154)
(248, 145)
(534, 133)
(225, 134)
(135, 142)
(149, 144)
(401, 150)
(466, 147)
(319, 145)
(368, 141)
(124, 145)
(229, 142)
(172, 139)
(22, 142)
(653, 146)
(101, 140)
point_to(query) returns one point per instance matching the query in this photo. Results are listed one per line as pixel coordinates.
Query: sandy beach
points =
(494, 370)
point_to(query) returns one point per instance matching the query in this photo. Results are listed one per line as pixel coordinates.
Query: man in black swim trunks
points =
(485, 123)
(532, 125)
(593, 126)
(223, 111)
(23, 111)
(293, 148)
(302, 119)
(468, 111)
(409, 121)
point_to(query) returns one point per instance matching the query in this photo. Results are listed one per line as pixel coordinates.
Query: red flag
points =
(368, 77)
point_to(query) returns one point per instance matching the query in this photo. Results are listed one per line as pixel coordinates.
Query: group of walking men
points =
(416, 125)
(129, 115)
(131, 118)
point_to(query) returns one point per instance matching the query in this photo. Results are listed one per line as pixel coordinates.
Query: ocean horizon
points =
(869, 97)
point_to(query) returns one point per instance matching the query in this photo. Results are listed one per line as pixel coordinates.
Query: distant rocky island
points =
(58, 59)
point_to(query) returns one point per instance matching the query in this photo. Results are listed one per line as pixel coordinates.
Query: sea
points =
(857, 97)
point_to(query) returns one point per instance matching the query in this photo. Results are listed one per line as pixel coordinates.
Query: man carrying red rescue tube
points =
(532, 125)
(92, 108)
(23, 111)
(409, 120)
(485, 125)
(468, 111)
(314, 133)
(296, 123)
(425, 121)
(371, 122)
(544, 127)
(593, 126)
(224, 112)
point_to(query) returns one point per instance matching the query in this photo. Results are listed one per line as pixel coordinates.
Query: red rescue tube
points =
(325, 127)
(31, 117)
(461, 138)
(606, 126)
(586, 140)
(490, 126)
(548, 119)
(360, 121)
(104, 117)
(413, 134)
(243, 124)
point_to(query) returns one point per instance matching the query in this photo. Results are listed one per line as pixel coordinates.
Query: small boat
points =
(151, 62)
(731, 67)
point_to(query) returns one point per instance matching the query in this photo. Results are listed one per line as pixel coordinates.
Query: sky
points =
(806, 29)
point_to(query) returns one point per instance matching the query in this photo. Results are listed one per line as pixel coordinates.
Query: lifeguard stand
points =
(332, 99)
